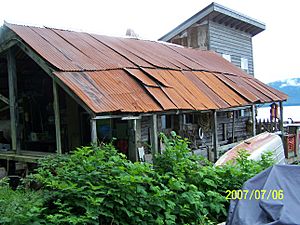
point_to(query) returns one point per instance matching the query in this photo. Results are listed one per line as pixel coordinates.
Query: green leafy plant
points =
(20, 206)
(98, 185)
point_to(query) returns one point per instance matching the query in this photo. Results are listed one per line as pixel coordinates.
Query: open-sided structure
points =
(61, 89)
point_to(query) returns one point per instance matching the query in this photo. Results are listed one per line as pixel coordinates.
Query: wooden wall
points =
(193, 121)
(222, 39)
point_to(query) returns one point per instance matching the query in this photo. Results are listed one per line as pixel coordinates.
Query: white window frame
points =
(244, 64)
(227, 57)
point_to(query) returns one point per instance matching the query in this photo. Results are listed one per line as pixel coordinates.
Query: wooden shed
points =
(62, 89)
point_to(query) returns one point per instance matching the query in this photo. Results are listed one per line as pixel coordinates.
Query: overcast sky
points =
(276, 50)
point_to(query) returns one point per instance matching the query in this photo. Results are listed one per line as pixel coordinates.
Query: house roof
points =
(222, 15)
(112, 74)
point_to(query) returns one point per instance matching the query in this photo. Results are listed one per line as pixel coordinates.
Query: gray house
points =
(222, 30)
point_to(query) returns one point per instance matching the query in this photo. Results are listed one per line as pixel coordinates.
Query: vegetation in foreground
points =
(98, 185)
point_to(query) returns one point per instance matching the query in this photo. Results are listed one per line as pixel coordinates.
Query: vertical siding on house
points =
(226, 40)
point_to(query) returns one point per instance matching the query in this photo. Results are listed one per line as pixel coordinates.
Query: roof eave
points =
(205, 12)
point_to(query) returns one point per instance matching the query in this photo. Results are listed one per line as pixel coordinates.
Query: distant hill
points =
(291, 87)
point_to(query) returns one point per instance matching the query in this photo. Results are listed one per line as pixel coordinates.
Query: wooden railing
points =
(267, 125)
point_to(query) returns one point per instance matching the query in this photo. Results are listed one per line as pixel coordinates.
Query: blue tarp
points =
(273, 197)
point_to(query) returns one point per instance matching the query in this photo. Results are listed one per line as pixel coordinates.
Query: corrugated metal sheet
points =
(104, 56)
(142, 77)
(208, 91)
(126, 75)
(109, 91)
(238, 88)
(75, 51)
(134, 90)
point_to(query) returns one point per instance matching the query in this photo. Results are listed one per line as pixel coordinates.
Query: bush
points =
(192, 181)
(98, 185)
(20, 206)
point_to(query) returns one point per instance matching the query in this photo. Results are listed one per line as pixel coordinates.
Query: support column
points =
(254, 120)
(57, 118)
(13, 104)
(281, 118)
(233, 126)
(94, 137)
(134, 139)
(215, 136)
(154, 135)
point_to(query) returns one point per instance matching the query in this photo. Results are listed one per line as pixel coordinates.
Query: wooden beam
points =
(154, 135)
(13, 104)
(57, 118)
(4, 108)
(234, 109)
(253, 114)
(94, 137)
(122, 117)
(4, 99)
(7, 39)
(215, 136)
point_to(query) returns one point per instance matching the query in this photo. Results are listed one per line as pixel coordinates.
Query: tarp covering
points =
(280, 204)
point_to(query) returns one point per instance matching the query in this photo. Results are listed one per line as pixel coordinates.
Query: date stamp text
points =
(255, 194)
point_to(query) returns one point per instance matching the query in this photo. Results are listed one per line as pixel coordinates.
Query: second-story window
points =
(244, 64)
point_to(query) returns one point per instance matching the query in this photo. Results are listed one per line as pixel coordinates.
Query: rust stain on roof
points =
(206, 90)
(112, 74)
(142, 77)
(238, 88)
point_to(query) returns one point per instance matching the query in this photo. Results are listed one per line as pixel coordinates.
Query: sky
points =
(275, 50)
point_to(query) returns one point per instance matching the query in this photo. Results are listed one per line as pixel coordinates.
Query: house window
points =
(227, 57)
(244, 64)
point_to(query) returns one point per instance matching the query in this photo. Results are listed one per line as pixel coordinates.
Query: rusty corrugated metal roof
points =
(112, 74)
(109, 91)
(135, 90)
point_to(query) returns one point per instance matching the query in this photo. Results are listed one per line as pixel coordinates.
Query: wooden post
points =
(281, 118)
(94, 137)
(13, 104)
(134, 139)
(233, 126)
(253, 120)
(57, 118)
(154, 135)
(181, 124)
(215, 135)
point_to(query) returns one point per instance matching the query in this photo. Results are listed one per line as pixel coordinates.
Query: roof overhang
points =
(219, 14)
(142, 77)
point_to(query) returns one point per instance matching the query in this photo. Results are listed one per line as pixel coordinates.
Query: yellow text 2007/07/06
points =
(255, 194)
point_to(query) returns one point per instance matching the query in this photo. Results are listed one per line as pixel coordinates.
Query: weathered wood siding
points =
(145, 129)
(219, 38)
(226, 40)
(204, 120)
(194, 37)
